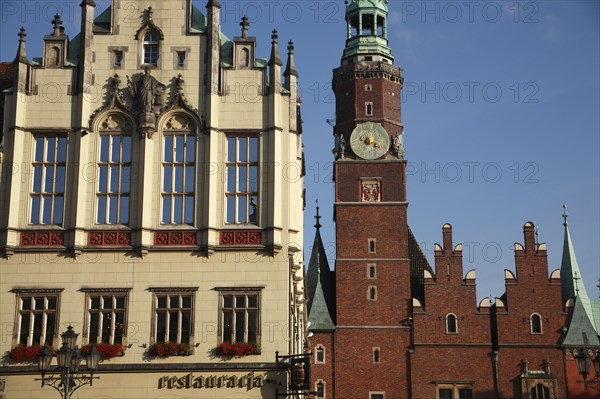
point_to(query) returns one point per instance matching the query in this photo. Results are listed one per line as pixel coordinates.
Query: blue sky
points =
(501, 107)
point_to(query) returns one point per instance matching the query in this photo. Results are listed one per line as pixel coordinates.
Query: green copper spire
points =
(366, 40)
(570, 274)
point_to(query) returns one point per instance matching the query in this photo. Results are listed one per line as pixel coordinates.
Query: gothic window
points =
(536, 324)
(540, 392)
(240, 316)
(371, 271)
(320, 389)
(241, 205)
(376, 355)
(106, 317)
(451, 324)
(320, 354)
(173, 315)
(48, 189)
(455, 391)
(369, 109)
(114, 175)
(150, 48)
(372, 293)
(372, 246)
(179, 165)
(37, 318)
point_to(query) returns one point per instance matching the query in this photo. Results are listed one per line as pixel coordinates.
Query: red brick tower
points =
(372, 268)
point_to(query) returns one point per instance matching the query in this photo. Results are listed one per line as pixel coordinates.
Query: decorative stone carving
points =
(339, 150)
(241, 238)
(109, 238)
(175, 238)
(115, 103)
(370, 191)
(42, 239)
(398, 146)
(148, 100)
(180, 102)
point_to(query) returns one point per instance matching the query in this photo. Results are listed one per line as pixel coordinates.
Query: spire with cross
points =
(565, 215)
(318, 217)
(57, 23)
(244, 24)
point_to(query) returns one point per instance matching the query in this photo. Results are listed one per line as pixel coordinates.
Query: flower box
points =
(26, 354)
(167, 349)
(237, 349)
(107, 351)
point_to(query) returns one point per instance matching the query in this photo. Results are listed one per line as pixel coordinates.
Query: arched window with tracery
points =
(178, 170)
(114, 170)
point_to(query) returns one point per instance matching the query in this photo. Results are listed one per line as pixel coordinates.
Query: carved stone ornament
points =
(180, 102)
(339, 149)
(370, 191)
(397, 147)
(147, 93)
(115, 102)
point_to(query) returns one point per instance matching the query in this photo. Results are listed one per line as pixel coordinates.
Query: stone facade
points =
(147, 157)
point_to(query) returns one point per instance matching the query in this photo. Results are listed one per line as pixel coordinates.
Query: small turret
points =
(291, 83)
(274, 64)
(367, 32)
(21, 64)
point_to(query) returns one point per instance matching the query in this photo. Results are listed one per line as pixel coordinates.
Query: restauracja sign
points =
(248, 381)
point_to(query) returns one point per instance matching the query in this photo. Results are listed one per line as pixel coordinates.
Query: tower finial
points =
(275, 59)
(290, 69)
(244, 24)
(57, 25)
(537, 235)
(576, 279)
(565, 216)
(317, 216)
(21, 53)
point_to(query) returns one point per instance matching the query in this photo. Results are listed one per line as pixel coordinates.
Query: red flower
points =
(237, 349)
(107, 351)
(23, 353)
(167, 349)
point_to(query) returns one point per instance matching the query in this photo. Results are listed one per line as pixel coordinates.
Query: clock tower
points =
(372, 267)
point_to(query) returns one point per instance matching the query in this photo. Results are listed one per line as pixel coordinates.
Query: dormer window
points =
(150, 48)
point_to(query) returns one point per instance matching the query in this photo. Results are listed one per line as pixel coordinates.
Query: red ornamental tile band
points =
(109, 238)
(177, 238)
(241, 238)
(42, 239)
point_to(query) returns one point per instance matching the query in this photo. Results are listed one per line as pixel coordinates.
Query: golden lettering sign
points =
(190, 381)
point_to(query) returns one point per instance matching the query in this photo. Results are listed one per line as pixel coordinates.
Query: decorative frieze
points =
(241, 238)
(42, 239)
(109, 238)
(177, 238)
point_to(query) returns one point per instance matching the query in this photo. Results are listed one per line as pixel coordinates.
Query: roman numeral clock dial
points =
(369, 141)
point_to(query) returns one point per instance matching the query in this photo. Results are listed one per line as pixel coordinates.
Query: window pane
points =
(168, 149)
(178, 210)
(231, 149)
(47, 212)
(49, 179)
(126, 149)
(35, 210)
(189, 179)
(62, 149)
(167, 179)
(112, 210)
(37, 179)
(173, 325)
(230, 209)
(58, 209)
(239, 326)
(228, 301)
(190, 149)
(465, 393)
(120, 303)
(114, 179)
(252, 325)
(39, 149)
(242, 179)
(60, 179)
(253, 179)
(37, 329)
(104, 148)
(166, 211)
(119, 325)
(125, 179)
(103, 179)
(124, 210)
(50, 148)
(106, 327)
(24, 333)
(254, 149)
(116, 149)
(161, 326)
(51, 303)
(186, 302)
(240, 301)
(179, 148)
(231, 179)
(101, 210)
(242, 151)
(189, 209)
(242, 210)
(227, 326)
(96, 303)
(252, 301)
(162, 302)
(50, 328)
(185, 326)
(179, 179)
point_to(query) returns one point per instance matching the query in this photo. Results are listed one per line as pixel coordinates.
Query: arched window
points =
(150, 48)
(376, 355)
(320, 354)
(114, 171)
(371, 271)
(372, 246)
(320, 389)
(451, 324)
(179, 170)
(372, 293)
(536, 323)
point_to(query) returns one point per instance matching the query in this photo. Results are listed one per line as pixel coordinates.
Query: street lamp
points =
(584, 365)
(66, 377)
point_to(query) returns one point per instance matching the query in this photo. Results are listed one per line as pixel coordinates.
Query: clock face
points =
(369, 140)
